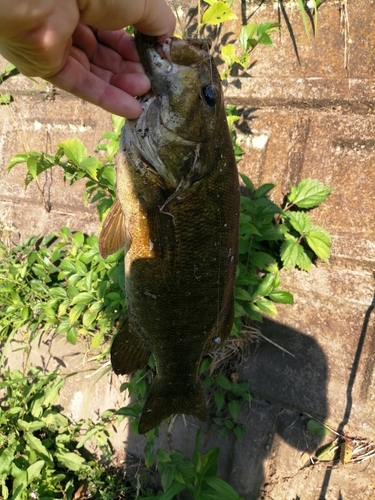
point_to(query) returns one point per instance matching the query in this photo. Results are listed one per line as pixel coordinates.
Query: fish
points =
(176, 215)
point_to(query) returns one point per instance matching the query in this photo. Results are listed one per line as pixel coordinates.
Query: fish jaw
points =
(176, 121)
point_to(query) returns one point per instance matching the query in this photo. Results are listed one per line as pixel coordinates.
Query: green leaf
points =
(234, 408)
(263, 190)
(82, 298)
(34, 470)
(162, 455)
(36, 445)
(223, 382)
(76, 312)
(327, 452)
(223, 489)
(118, 122)
(246, 34)
(5, 98)
(74, 150)
(167, 477)
(170, 493)
(266, 285)
(241, 294)
(320, 242)
(309, 193)
(78, 239)
(7, 455)
(247, 182)
(267, 306)
(304, 260)
(219, 399)
(97, 340)
(218, 13)
(317, 429)
(72, 335)
(228, 54)
(300, 221)
(281, 296)
(58, 292)
(70, 460)
(264, 261)
(19, 158)
(290, 251)
(91, 165)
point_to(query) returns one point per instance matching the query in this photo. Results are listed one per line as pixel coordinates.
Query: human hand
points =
(53, 39)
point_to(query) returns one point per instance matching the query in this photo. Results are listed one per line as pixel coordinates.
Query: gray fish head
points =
(182, 112)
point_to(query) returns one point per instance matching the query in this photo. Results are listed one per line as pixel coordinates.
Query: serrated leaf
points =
(300, 221)
(290, 251)
(264, 261)
(218, 13)
(304, 260)
(309, 193)
(320, 243)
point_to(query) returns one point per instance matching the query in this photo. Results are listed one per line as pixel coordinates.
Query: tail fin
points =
(164, 400)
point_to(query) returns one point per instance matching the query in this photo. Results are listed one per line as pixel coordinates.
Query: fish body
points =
(176, 214)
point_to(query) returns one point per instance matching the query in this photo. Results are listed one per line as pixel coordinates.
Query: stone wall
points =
(308, 108)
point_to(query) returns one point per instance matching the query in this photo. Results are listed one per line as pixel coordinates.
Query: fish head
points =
(179, 122)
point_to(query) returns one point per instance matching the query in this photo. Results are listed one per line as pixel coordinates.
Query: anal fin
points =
(128, 352)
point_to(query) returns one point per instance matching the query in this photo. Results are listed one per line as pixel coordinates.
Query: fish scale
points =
(176, 214)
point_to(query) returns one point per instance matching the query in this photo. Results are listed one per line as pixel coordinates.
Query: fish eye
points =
(209, 95)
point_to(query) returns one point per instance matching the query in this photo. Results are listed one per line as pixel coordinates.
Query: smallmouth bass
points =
(176, 215)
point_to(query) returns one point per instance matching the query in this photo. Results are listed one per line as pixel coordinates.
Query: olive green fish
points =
(176, 215)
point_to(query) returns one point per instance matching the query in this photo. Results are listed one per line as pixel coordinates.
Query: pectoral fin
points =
(114, 236)
(128, 352)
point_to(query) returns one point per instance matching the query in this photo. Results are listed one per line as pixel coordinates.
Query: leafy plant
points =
(273, 238)
(72, 157)
(42, 453)
(60, 282)
(197, 478)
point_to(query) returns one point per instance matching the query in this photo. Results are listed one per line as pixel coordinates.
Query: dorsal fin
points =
(113, 236)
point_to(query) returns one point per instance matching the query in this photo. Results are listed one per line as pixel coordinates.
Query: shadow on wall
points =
(284, 388)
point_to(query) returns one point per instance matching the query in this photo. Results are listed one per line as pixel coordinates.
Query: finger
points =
(127, 67)
(74, 78)
(120, 42)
